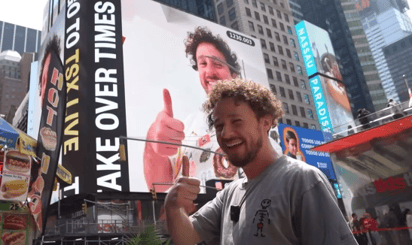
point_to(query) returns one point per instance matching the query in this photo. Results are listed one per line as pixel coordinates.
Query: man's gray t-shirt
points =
(290, 202)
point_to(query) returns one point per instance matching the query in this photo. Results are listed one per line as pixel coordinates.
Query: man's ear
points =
(234, 75)
(267, 122)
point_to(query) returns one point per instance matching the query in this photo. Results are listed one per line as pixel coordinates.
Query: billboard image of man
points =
(213, 59)
(292, 145)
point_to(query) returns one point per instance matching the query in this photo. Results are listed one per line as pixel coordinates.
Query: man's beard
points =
(240, 161)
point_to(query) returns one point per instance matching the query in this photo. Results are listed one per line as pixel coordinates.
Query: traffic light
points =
(154, 195)
(84, 208)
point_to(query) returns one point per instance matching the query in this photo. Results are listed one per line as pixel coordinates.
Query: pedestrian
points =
(356, 228)
(364, 118)
(281, 201)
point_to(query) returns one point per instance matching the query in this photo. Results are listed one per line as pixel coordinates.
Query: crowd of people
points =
(390, 230)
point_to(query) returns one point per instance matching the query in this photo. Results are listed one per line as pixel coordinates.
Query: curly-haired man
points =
(282, 200)
(212, 57)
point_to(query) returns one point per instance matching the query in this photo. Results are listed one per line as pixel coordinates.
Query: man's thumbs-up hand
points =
(166, 128)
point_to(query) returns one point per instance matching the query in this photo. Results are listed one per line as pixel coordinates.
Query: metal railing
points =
(372, 120)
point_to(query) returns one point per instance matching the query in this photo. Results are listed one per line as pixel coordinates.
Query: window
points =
(247, 1)
(222, 20)
(282, 27)
(285, 15)
(269, 32)
(294, 110)
(292, 67)
(266, 58)
(279, 76)
(290, 30)
(273, 88)
(220, 8)
(288, 53)
(302, 112)
(288, 122)
(277, 36)
(310, 113)
(232, 14)
(282, 5)
(265, 19)
(275, 2)
(262, 6)
(285, 107)
(292, 43)
(313, 126)
(270, 73)
(285, 40)
(295, 81)
(257, 16)
(229, 3)
(272, 47)
(287, 79)
(248, 13)
(235, 26)
(291, 94)
(296, 56)
(263, 43)
(274, 23)
(297, 123)
(254, 3)
(280, 120)
(305, 125)
(251, 26)
(299, 68)
(306, 98)
(260, 29)
(299, 96)
(279, 14)
(271, 10)
(302, 84)
(275, 61)
(280, 50)
(284, 64)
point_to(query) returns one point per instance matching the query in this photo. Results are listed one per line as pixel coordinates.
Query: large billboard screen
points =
(146, 75)
(329, 93)
(297, 143)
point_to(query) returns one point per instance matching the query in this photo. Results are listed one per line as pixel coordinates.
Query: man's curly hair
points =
(203, 35)
(262, 101)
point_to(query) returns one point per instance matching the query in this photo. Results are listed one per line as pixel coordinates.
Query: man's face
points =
(239, 132)
(292, 146)
(44, 73)
(211, 70)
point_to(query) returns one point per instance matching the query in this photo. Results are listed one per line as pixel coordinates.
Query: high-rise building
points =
(296, 11)
(398, 56)
(385, 22)
(271, 22)
(356, 63)
(19, 38)
(352, 10)
(201, 8)
(14, 70)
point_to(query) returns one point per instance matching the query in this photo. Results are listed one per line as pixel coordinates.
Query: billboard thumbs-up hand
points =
(167, 128)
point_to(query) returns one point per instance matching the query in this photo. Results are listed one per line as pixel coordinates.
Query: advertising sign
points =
(53, 94)
(296, 142)
(331, 100)
(145, 75)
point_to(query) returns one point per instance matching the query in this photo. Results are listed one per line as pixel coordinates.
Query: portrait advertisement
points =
(171, 61)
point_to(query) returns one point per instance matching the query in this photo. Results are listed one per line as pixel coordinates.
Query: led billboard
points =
(145, 75)
(297, 143)
(328, 90)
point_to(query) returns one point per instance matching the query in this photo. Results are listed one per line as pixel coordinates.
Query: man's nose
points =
(211, 70)
(227, 132)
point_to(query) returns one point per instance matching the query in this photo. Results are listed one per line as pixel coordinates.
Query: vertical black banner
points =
(96, 114)
(53, 101)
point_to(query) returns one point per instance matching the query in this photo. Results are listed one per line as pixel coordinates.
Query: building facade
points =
(19, 38)
(14, 71)
(201, 8)
(271, 22)
(385, 22)
(333, 20)
(398, 56)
